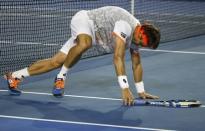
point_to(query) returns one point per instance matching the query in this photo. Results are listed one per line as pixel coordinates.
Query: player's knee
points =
(84, 41)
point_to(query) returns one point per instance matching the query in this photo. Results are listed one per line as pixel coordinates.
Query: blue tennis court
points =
(92, 100)
(34, 30)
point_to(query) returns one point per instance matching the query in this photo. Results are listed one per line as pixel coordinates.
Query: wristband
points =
(123, 82)
(140, 87)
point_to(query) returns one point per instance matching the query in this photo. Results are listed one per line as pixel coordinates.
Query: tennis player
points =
(112, 28)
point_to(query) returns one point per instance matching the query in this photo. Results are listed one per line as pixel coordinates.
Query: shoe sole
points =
(14, 93)
(58, 95)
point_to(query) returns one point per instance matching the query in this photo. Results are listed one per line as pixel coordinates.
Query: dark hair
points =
(153, 34)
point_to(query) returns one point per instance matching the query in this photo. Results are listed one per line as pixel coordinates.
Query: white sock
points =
(63, 72)
(21, 73)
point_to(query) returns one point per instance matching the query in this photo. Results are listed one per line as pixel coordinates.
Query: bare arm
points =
(136, 66)
(119, 63)
(119, 56)
(138, 74)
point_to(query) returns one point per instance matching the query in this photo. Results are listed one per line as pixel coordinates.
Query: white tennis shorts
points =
(80, 24)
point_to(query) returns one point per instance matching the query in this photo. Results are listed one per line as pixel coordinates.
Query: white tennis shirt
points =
(100, 24)
(109, 19)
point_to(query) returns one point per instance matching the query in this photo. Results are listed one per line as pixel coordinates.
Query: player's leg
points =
(83, 42)
(82, 33)
(39, 67)
(46, 65)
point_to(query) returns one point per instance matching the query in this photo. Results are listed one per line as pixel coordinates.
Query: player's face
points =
(141, 38)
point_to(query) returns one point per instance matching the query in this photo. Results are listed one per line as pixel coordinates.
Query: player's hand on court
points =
(145, 95)
(127, 97)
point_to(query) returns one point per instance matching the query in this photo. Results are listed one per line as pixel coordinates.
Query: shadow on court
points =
(171, 75)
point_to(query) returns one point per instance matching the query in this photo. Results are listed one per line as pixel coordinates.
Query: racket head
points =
(185, 103)
(169, 103)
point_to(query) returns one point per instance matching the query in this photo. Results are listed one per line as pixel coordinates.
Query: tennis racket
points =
(169, 103)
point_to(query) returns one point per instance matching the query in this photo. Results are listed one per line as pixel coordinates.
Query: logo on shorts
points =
(123, 35)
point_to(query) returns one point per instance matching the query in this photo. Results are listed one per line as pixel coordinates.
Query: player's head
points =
(147, 35)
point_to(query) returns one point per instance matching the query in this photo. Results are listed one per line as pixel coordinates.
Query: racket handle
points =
(141, 102)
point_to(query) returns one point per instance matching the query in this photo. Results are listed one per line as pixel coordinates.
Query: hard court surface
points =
(92, 96)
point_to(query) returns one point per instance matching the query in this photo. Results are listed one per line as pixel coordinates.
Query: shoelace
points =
(59, 84)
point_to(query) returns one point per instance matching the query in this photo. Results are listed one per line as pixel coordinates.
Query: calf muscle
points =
(46, 65)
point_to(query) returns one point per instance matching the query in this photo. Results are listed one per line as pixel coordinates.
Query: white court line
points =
(82, 123)
(53, 44)
(75, 96)
(34, 15)
(28, 43)
(37, 9)
(142, 49)
(171, 14)
(171, 51)
(73, 122)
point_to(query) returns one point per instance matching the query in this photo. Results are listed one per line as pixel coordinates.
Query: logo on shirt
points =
(123, 35)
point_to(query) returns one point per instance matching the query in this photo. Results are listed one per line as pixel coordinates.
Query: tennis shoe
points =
(58, 90)
(13, 84)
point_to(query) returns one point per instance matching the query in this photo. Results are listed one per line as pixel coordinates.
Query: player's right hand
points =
(127, 97)
(145, 95)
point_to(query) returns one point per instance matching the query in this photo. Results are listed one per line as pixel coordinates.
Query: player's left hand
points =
(145, 95)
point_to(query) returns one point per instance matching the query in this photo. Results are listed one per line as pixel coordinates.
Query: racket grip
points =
(141, 102)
